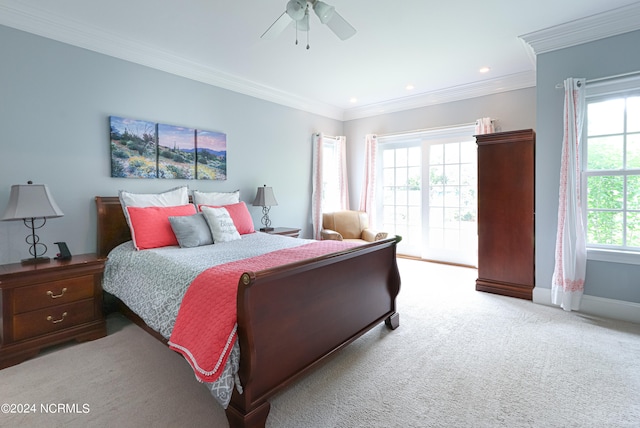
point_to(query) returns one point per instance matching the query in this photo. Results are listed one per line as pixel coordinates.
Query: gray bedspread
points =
(153, 282)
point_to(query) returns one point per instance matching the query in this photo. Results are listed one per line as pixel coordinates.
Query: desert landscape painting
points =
(143, 149)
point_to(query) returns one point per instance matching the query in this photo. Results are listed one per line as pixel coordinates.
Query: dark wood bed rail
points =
(291, 318)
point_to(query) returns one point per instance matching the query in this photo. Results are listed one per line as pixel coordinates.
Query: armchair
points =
(349, 226)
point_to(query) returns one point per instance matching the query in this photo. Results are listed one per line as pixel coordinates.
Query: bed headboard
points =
(113, 229)
(112, 226)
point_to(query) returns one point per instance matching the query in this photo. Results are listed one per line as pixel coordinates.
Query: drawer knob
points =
(55, 296)
(50, 318)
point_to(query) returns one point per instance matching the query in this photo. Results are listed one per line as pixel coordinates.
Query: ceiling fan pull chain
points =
(296, 33)
(306, 17)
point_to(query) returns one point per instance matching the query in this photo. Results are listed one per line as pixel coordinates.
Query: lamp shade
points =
(265, 197)
(31, 201)
(324, 11)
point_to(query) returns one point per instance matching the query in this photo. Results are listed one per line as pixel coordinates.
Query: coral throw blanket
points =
(205, 329)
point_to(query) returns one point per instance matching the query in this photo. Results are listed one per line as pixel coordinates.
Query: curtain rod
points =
(328, 136)
(601, 79)
(418, 131)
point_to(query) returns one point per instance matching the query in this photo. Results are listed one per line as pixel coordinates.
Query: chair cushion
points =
(349, 224)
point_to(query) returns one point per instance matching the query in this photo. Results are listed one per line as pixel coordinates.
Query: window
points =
(611, 172)
(330, 175)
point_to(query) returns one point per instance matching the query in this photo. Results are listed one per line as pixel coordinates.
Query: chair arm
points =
(371, 235)
(328, 234)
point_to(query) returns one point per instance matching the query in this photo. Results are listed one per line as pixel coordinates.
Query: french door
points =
(427, 194)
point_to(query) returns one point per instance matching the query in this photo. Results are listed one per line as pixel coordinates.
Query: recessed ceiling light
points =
(409, 87)
(484, 70)
(353, 100)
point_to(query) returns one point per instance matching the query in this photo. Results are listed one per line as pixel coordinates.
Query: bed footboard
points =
(293, 317)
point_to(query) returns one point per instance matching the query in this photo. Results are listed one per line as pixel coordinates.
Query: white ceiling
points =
(438, 47)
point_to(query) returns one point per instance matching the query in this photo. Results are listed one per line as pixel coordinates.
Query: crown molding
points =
(60, 28)
(610, 23)
(510, 82)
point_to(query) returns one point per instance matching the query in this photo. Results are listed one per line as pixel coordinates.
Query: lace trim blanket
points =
(205, 329)
(153, 282)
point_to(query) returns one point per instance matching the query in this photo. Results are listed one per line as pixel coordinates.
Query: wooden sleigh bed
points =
(290, 318)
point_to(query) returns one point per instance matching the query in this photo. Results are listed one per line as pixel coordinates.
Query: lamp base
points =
(266, 229)
(35, 260)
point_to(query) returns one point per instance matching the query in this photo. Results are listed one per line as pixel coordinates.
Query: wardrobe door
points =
(506, 209)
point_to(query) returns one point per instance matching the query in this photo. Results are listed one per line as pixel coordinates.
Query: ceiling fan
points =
(298, 11)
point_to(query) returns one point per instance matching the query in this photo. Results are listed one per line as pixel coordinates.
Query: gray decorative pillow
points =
(191, 230)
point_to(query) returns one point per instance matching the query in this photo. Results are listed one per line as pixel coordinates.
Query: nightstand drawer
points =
(35, 323)
(52, 293)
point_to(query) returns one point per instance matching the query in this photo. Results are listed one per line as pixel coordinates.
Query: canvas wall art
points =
(142, 149)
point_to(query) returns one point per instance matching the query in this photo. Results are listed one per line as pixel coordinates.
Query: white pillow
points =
(221, 224)
(170, 198)
(215, 198)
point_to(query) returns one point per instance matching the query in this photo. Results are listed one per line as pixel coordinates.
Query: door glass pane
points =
(452, 174)
(415, 196)
(451, 194)
(436, 154)
(452, 153)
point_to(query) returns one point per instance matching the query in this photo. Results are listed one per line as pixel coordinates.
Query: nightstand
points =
(49, 303)
(285, 231)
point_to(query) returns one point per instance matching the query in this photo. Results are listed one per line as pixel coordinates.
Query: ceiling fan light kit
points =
(296, 8)
(298, 12)
(323, 11)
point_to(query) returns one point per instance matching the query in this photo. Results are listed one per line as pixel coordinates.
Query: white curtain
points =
(343, 182)
(318, 180)
(571, 254)
(484, 126)
(367, 197)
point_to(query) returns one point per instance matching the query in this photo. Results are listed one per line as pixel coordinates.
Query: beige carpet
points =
(459, 359)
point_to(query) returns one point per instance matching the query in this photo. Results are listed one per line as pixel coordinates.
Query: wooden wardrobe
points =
(506, 213)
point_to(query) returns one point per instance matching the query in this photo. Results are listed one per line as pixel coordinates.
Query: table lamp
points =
(266, 200)
(32, 203)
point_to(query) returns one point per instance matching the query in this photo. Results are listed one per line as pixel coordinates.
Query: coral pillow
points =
(239, 214)
(150, 226)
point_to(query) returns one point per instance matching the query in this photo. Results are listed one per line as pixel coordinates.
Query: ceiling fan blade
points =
(341, 27)
(277, 27)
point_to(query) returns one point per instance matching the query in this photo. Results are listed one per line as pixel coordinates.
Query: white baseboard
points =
(607, 308)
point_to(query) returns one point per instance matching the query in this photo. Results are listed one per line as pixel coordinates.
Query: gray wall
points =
(55, 100)
(606, 57)
(513, 110)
